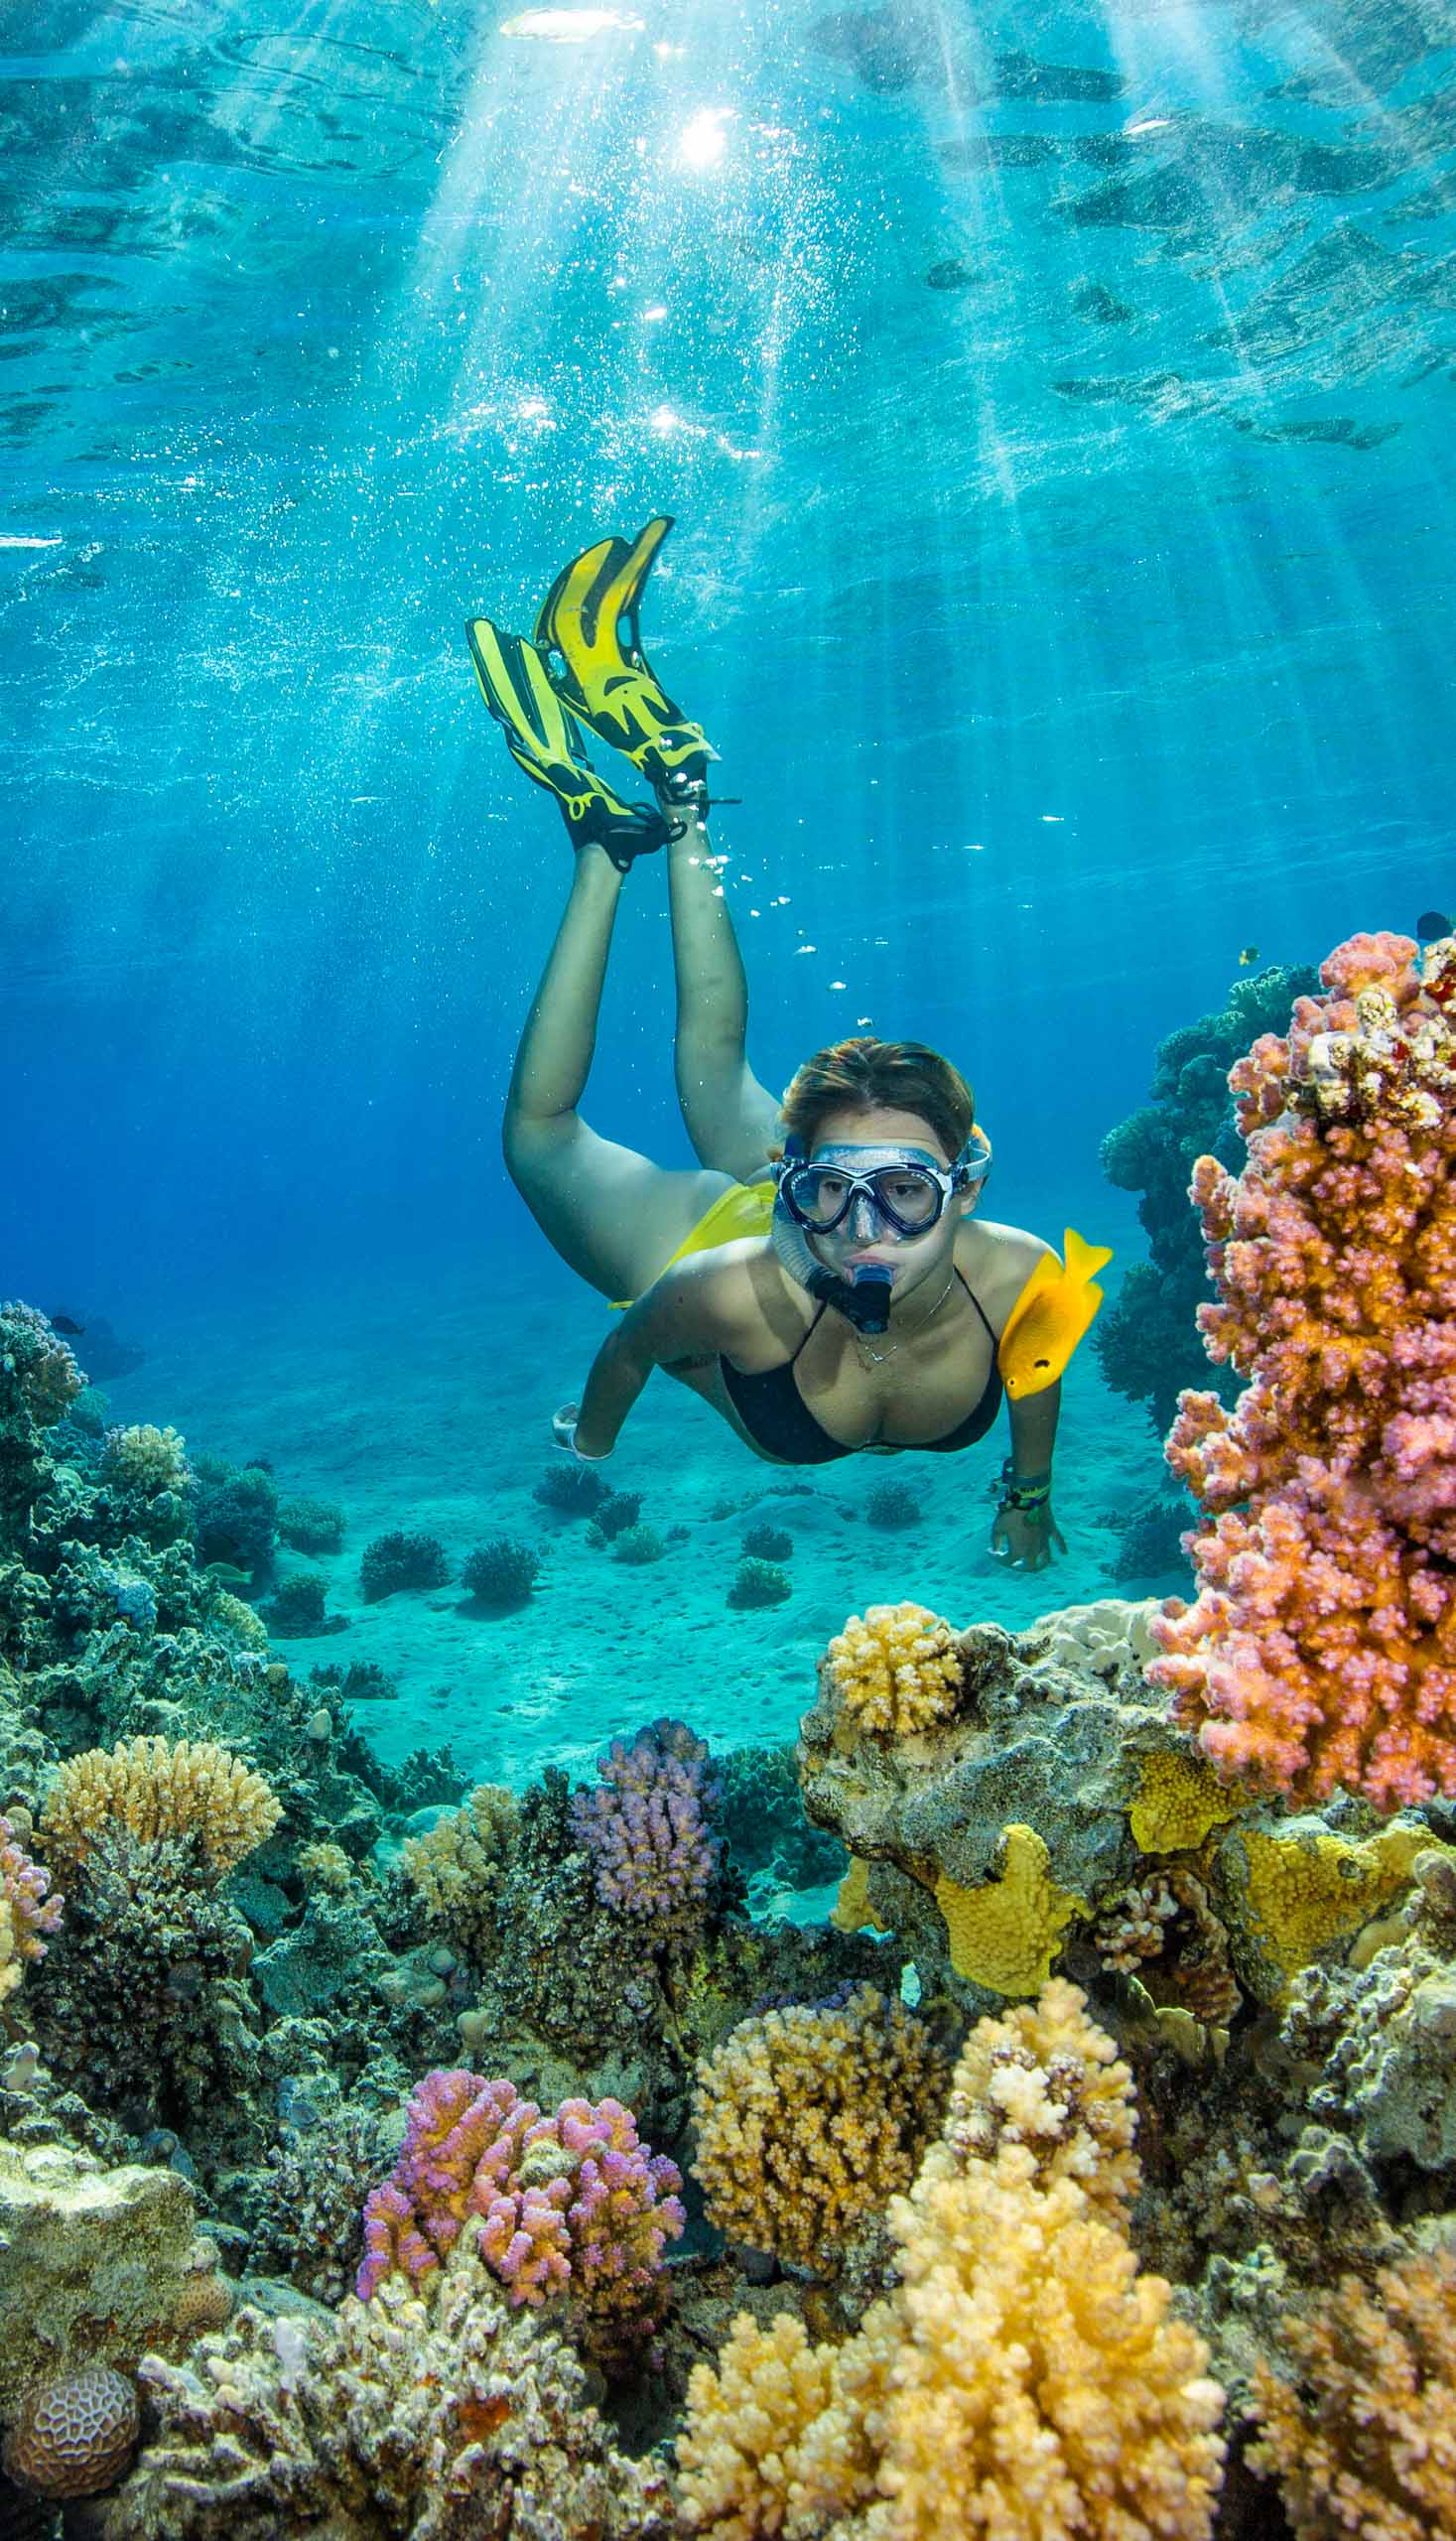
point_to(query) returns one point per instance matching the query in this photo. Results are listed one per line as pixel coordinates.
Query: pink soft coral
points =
(1321, 1649)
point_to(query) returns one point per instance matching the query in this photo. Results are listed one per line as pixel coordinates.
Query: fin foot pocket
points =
(545, 741)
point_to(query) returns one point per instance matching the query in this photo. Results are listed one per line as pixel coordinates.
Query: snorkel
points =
(864, 1297)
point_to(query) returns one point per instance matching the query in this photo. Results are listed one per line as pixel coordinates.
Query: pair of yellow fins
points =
(585, 671)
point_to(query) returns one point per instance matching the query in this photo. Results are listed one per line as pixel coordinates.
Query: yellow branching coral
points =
(807, 2119)
(149, 1790)
(457, 1867)
(326, 1866)
(897, 1669)
(1026, 2378)
(1361, 2435)
(1005, 1934)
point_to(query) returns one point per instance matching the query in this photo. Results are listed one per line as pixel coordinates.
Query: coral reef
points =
(1321, 1649)
(28, 1914)
(74, 2431)
(1023, 2378)
(308, 1525)
(401, 1560)
(94, 2261)
(500, 1574)
(647, 1827)
(809, 2118)
(1146, 1336)
(459, 2420)
(456, 1867)
(149, 1790)
(757, 1582)
(1362, 2432)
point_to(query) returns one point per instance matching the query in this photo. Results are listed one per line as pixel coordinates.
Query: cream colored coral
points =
(152, 1789)
(1024, 2381)
(325, 1866)
(1044, 2075)
(457, 1867)
(896, 1669)
(146, 1459)
(11, 1969)
(807, 2119)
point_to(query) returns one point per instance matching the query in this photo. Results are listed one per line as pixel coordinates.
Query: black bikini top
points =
(776, 1416)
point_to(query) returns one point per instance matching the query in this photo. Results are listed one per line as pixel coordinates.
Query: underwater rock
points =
(1053, 1729)
(94, 2262)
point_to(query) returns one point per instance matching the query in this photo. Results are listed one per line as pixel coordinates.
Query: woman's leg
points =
(612, 1215)
(729, 1117)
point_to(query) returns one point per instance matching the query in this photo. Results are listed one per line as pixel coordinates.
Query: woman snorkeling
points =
(823, 1281)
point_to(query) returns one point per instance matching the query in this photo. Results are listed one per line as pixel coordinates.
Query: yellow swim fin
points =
(1057, 1305)
(543, 738)
(611, 685)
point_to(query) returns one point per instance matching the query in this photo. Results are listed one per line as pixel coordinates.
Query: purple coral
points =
(22, 1888)
(646, 1827)
(573, 2199)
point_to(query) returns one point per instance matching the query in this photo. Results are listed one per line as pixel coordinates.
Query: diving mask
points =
(905, 1187)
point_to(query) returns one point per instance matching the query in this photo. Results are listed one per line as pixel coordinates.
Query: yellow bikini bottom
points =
(744, 1208)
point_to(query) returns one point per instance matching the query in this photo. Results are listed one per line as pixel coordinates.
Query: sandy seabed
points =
(437, 1419)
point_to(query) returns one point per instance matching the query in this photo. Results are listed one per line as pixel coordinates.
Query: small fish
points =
(63, 1323)
(1049, 1317)
(226, 1574)
(1431, 924)
(1249, 954)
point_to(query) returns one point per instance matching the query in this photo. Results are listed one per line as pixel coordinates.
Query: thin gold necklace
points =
(877, 1357)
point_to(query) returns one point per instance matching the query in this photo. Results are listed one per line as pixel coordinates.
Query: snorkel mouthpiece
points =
(868, 1306)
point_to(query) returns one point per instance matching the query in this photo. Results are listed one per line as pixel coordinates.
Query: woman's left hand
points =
(1027, 1539)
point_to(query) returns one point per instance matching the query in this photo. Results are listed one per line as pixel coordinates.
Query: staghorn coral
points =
(76, 2431)
(897, 1669)
(807, 2119)
(1361, 2432)
(646, 1827)
(573, 2199)
(457, 2421)
(155, 1789)
(457, 1867)
(1321, 1649)
(1024, 2378)
(28, 1916)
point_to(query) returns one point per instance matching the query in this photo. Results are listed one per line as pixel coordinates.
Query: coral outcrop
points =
(1320, 1652)
(94, 2261)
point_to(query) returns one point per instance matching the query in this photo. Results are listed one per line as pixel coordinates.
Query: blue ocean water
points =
(1054, 405)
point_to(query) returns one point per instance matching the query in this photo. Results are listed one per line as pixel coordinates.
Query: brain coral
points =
(897, 1669)
(75, 2433)
(808, 2118)
(154, 1790)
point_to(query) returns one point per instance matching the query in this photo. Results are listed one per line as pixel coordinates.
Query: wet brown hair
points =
(863, 1075)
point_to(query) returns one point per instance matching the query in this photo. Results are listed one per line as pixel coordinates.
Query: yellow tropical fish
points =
(1049, 1317)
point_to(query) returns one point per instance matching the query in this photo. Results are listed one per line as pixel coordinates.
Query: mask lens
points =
(820, 1198)
(908, 1199)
